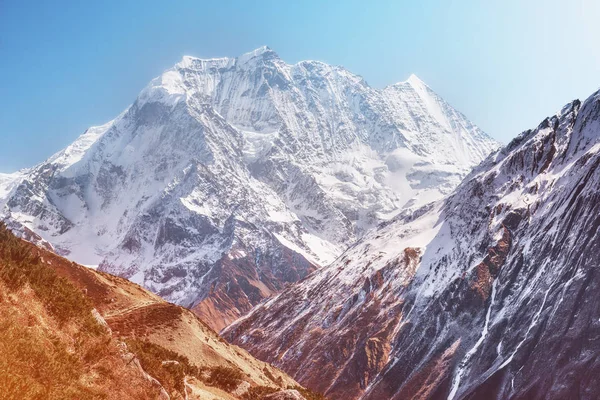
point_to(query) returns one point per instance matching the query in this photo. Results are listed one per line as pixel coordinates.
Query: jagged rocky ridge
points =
(490, 293)
(229, 178)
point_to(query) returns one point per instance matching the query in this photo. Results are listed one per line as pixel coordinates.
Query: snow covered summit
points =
(229, 177)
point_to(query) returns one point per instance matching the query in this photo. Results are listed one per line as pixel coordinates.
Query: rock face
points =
(490, 293)
(228, 179)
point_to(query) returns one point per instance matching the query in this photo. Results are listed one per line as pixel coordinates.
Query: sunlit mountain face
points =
(228, 179)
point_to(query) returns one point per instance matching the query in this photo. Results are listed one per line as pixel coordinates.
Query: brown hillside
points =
(138, 346)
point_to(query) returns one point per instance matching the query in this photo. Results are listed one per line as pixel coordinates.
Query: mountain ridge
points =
(485, 294)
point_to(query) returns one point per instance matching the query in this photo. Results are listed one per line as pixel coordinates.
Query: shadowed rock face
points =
(229, 178)
(241, 283)
(500, 303)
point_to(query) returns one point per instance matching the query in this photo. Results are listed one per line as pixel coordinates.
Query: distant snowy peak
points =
(190, 62)
(228, 178)
(415, 81)
(435, 126)
(256, 91)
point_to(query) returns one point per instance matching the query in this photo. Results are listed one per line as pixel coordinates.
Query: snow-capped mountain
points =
(490, 293)
(229, 178)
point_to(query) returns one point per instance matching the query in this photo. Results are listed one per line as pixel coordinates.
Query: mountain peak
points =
(263, 51)
(415, 81)
(186, 61)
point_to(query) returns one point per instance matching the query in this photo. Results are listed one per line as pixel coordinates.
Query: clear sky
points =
(507, 64)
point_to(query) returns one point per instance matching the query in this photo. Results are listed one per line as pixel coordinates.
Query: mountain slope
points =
(489, 293)
(228, 179)
(71, 331)
(51, 345)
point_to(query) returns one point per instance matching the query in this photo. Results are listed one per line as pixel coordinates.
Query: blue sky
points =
(505, 64)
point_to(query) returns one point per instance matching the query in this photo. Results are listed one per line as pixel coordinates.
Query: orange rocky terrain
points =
(118, 342)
